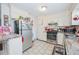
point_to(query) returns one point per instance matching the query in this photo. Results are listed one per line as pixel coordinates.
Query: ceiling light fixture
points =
(43, 8)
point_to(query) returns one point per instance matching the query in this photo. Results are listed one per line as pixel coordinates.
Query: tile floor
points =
(51, 41)
(40, 48)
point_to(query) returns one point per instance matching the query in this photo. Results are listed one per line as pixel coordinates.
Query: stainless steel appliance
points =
(24, 29)
(52, 35)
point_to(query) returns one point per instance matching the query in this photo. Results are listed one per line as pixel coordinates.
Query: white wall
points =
(63, 19)
(16, 12)
(35, 24)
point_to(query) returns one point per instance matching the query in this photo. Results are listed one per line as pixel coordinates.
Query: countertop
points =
(10, 36)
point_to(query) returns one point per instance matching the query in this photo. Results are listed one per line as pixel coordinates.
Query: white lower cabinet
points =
(60, 38)
(72, 50)
(14, 46)
(72, 47)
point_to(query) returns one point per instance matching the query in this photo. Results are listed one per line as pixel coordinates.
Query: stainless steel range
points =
(52, 35)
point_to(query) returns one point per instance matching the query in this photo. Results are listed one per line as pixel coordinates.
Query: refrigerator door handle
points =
(21, 27)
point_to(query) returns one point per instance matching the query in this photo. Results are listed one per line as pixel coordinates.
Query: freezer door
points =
(23, 25)
(27, 35)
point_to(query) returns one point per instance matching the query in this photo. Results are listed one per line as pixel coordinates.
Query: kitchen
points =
(49, 30)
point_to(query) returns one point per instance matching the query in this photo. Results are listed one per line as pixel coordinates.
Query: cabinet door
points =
(60, 38)
(75, 17)
(15, 46)
(5, 11)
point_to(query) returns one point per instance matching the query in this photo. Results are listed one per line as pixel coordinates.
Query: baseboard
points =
(34, 40)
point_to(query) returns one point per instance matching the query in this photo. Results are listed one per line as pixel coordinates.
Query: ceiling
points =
(52, 8)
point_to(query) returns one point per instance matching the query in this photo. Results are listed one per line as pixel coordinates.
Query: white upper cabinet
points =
(5, 13)
(75, 15)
